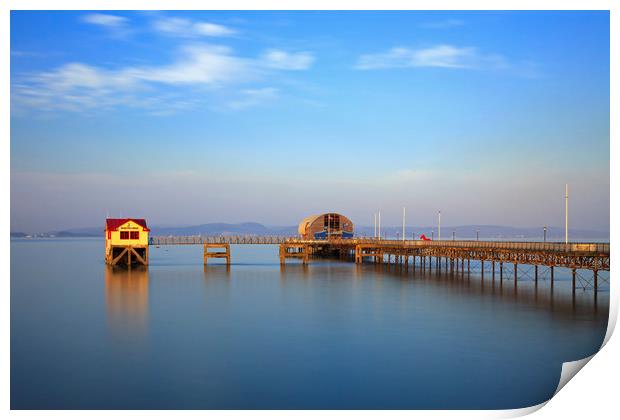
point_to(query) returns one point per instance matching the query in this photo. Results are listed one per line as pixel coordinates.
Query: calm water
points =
(332, 335)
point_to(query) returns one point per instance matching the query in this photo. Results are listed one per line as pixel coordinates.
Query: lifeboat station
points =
(126, 242)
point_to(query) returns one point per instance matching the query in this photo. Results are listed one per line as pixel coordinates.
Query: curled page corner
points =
(520, 412)
(570, 369)
(613, 317)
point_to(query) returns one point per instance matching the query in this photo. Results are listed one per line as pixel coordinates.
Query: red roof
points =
(113, 224)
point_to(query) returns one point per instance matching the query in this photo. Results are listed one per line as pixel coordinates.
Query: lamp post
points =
(403, 223)
(375, 235)
(432, 234)
(477, 235)
(566, 216)
(545, 234)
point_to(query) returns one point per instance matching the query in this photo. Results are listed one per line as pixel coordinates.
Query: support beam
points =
(221, 254)
(515, 275)
(551, 271)
(118, 258)
(595, 281)
(501, 272)
(138, 256)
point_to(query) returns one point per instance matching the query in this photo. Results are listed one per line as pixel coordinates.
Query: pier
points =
(331, 235)
(450, 255)
(223, 251)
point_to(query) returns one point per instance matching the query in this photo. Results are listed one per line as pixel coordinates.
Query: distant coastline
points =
(496, 232)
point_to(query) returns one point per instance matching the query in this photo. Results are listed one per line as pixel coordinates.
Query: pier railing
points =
(198, 239)
(589, 247)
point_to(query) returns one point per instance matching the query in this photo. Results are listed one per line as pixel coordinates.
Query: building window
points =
(135, 235)
(124, 235)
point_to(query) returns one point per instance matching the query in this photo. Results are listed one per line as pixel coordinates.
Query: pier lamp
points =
(545, 234)
(432, 235)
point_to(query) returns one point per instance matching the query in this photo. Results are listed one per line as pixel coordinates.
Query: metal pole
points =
(477, 235)
(379, 224)
(439, 227)
(566, 216)
(403, 223)
(432, 234)
(453, 234)
(375, 235)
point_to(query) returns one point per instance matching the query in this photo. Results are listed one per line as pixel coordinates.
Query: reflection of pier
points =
(127, 296)
(561, 300)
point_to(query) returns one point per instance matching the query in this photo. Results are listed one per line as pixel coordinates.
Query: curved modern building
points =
(326, 226)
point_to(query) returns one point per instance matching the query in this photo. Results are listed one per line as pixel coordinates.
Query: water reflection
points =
(180, 338)
(216, 271)
(560, 300)
(294, 271)
(127, 301)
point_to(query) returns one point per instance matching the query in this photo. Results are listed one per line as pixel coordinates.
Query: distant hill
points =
(211, 229)
(79, 233)
(257, 229)
(207, 229)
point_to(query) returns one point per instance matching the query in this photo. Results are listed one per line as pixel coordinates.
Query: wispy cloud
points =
(102, 19)
(253, 97)
(199, 64)
(443, 24)
(79, 86)
(283, 60)
(444, 55)
(188, 28)
(116, 26)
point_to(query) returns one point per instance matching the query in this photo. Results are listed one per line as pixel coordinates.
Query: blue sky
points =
(191, 117)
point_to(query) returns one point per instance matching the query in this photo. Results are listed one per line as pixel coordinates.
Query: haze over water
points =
(330, 335)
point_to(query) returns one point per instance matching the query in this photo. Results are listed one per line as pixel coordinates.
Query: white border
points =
(592, 395)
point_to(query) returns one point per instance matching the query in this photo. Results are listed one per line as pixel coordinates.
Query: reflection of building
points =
(127, 300)
(326, 226)
(126, 241)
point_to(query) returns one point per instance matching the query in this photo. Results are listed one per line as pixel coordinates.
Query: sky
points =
(195, 117)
